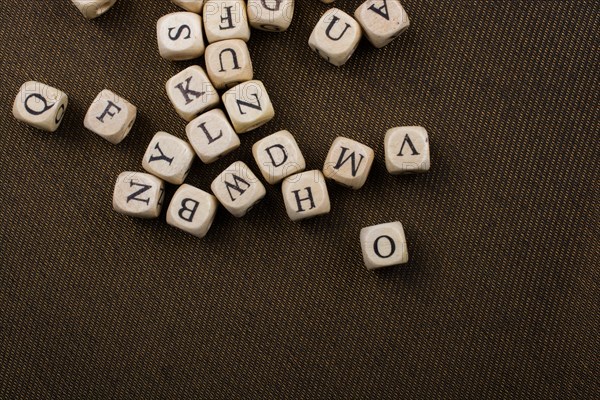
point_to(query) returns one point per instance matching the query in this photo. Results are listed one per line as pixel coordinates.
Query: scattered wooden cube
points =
(383, 245)
(238, 189)
(335, 37)
(212, 136)
(192, 210)
(349, 162)
(110, 117)
(179, 36)
(93, 8)
(248, 106)
(194, 6)
(225, 19)
(168, 157)
(228, 63)
(270, 15)
(305, 195)
(278, 156)
(191, 92)
(382, 20)
(138, 194)
(407, 150)
(40, 106)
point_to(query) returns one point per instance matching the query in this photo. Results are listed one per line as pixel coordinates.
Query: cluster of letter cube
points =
(211, 135)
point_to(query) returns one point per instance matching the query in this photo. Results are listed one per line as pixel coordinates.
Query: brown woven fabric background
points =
(499, 300)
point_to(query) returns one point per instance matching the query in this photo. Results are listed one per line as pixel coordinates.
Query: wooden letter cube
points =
(225, 19)
(191, 92)
(383, 245)
(335, 36)
(93, 8)
(238, 189)
(278, 156)
(382, 20)
(305, 195)
(192, 210)
(212, 136)
(169, 158)
(270, 15)
(348, 162)
(248, 106)
(179, 36)
(407, 150)
(228, 63)
(110, 117)
(194, 6)
(40, 106)
(138, 194)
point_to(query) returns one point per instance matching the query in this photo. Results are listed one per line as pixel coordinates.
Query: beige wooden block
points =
(138, 195)
(228, 63)
(248, 106)
(278, 156)
(212, 136)
(382, 20)
(225, 19)
(305, 195)
(93, 8)
(335, 37)
(192, 210)
(194, 6)
(383, 245)
(349, 162)
(271, 15)
(168, 157)
(110, 117)
(40, 106)
(407, 150)
(191, 92)
(179, 36)
(238, 189)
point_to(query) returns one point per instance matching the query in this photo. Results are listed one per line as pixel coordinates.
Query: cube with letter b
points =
(192, 210)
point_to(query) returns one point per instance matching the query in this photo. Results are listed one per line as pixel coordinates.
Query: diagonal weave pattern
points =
(499, 300)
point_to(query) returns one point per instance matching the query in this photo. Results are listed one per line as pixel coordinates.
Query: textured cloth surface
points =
(499, 299)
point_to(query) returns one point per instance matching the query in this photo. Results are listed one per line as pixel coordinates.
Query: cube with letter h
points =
(192, 210)
(383, 245)
(305, 195)
(40, 106)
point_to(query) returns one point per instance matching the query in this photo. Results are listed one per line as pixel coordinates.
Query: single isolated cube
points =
(138, 195)
(383, 245)
(349, 162)
(191, 92)
(248, 106)
(110, 117)
(179, 36)
(212, 136)
(225, 19)
(382, 20)
(335, 37)
(270, 15)
(228, 63)
(278, 156)
(407, 150)
(305, 195)
(238, 189)
(40, 106)
(93, 8)
(169, 158)
(194, 6)
(192, 210)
